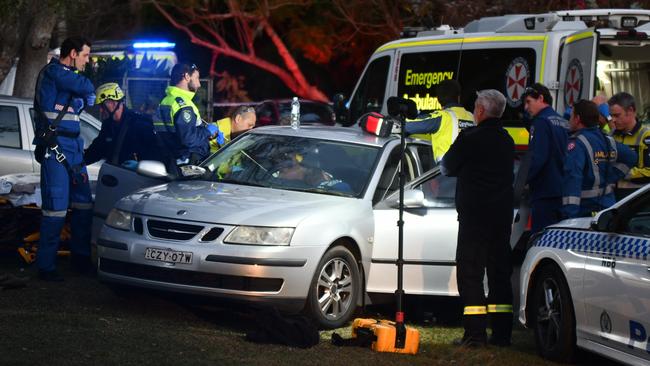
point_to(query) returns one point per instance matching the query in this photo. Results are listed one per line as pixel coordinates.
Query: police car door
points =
(577, 68)
(617, 281)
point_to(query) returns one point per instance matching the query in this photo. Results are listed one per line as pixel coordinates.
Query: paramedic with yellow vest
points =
(632, 133)
(243, 119)
(442, 127)
(182, 132)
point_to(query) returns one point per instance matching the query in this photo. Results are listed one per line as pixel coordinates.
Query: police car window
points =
(510, 71)
(372, 89)
(639, 221)
(421, 72)
(389, 179)
(425, 154)
(9, 127)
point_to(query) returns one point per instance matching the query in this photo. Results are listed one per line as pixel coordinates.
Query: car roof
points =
(10, 98)
(352, 134)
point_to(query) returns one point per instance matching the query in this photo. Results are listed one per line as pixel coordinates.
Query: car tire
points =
(553, 321)
(334, 289)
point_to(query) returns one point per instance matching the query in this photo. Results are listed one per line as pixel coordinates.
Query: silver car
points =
(17, 133)
(304, 219)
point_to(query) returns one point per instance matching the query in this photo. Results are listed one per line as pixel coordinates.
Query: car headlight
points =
(119, 219)
(257, 235)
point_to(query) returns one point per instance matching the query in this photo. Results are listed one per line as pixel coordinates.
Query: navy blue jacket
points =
(594, 164)
(56, 84)
(138, 142)
(549, 133)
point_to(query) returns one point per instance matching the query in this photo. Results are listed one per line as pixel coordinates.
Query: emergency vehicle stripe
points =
(499, 308)
(475, 310)
(596, 243)
(540, 77)
(579, 37)
(461, 40)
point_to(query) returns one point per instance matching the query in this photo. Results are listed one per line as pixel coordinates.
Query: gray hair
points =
(493, 101)
(625, 100)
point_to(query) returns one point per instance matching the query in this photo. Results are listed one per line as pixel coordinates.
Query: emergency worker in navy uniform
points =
(549, 133)
(130, 130)
(61, 95)
(595, 162)
(482, 158)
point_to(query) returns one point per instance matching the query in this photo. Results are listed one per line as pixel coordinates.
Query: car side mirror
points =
(604, 221)
(413, 198)
(152, 169)
(340, 110)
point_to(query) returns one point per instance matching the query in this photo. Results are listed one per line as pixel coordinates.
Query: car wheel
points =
(334, 289)
(552, 316)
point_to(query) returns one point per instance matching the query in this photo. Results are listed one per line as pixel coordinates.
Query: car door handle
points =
(109, 180)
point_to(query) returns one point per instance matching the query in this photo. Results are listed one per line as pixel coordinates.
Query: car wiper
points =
(244, 183)
(320, 191)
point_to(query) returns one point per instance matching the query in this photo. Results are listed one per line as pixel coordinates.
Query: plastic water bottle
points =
(295, 113)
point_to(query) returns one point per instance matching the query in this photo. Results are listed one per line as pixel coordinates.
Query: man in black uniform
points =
(482, 158)
(131, 131)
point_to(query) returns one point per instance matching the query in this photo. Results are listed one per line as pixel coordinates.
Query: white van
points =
(576, 54)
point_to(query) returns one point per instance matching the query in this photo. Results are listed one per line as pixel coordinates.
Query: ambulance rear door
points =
(577, 68)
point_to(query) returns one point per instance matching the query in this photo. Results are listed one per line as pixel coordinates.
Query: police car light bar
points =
(143, 45)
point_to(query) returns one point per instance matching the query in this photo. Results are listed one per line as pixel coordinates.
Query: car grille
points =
(191, 278)
(172, 230)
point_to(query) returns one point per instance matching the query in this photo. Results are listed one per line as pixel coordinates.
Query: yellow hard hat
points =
(108, 91)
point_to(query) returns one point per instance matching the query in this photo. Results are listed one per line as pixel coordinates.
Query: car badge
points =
(181, 212)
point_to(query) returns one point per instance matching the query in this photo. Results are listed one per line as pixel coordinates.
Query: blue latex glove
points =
(90, 99)
(130, 164)
(604, 111)
(221, 139)
(77, 104)
(213, 129)
(567, 113)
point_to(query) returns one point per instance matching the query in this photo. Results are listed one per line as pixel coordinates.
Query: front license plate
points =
(168, 255)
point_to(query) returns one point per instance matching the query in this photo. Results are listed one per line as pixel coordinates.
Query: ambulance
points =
(575, 53)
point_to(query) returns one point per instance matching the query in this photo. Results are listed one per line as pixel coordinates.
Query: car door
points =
(430, 233)
(577, 68)
(617, 281)
(14, 144)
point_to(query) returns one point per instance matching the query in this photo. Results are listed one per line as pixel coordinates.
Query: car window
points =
(439, 191)
(425, 152)
(295, 163)
(9, 127)
(265, 115)
(389, 179)
(638, 222)
(309, 113)
(87, 131)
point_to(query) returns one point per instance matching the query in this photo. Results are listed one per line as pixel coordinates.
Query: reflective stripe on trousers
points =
(499, 308)
(475, 310)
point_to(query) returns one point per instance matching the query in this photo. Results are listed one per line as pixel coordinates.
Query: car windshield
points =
(295, 163)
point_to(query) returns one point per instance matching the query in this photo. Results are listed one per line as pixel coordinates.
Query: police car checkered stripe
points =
(596, 243)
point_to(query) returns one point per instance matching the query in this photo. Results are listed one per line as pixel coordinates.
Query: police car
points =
(586, 282)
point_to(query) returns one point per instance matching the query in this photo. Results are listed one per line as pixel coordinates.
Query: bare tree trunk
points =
(34, 51)
(11, 36)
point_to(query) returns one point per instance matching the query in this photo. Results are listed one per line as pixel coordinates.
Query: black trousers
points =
(485, 246)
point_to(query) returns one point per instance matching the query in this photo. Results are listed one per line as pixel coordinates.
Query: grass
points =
(83, 322)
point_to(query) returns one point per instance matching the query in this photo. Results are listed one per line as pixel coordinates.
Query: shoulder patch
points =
(180, 101)
(187, 116)
(646, 141)
(571, 145)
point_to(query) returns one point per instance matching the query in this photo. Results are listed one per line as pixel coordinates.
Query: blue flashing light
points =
(143, 45)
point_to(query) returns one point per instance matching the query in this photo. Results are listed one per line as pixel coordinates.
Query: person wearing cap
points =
(243, 118)
(131, 131)
(178, 122)
(593, 164)
(547, 145)
(629, 131)
(442, 127)
(604, 119)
